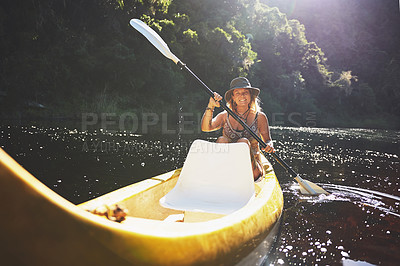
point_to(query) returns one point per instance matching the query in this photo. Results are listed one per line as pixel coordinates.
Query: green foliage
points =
(191, 35)
(84, 57)
(361, 36)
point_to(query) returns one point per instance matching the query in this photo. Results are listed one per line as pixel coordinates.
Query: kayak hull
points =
(42, 228)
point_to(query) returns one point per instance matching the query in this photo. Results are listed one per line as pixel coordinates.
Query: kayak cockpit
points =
(142, 200)
(216, 180)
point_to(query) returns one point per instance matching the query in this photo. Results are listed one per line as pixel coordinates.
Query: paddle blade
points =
(309, 188)
(153, 38)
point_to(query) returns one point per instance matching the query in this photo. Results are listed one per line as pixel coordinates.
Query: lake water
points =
(358, 224)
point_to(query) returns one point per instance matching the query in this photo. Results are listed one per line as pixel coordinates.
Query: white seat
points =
(215, 178)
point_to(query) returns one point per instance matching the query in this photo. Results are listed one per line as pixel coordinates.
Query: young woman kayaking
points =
(243, 99)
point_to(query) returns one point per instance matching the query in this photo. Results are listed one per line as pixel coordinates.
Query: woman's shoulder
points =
(223, 114)
(262, 117)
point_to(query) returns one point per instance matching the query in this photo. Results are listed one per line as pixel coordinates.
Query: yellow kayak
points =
(39, 227)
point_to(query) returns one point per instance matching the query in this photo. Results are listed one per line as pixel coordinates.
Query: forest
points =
(317, 63)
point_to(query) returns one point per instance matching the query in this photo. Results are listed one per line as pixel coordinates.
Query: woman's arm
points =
(263, 128)
(208, 123)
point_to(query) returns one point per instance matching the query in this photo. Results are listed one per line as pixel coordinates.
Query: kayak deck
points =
(142, 200)
(202, 237)
(49, 230)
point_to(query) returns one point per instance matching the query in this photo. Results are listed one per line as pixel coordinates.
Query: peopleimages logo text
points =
(182, 123)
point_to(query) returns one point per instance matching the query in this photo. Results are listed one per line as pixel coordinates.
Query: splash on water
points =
(387, 203)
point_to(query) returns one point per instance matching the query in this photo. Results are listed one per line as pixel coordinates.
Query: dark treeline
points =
(335, 63)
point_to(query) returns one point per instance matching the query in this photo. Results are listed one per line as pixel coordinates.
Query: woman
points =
(243, 100)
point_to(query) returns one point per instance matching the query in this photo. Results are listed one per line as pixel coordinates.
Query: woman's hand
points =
(214, 102)
(270, 147)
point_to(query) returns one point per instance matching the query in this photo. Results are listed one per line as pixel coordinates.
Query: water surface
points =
(358, 223)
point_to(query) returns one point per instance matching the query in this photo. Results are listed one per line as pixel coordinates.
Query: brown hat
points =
(240, 83)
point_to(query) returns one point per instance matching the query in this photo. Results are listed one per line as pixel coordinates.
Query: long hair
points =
(254, 103)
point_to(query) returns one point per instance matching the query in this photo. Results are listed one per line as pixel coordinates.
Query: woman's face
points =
(241, 97)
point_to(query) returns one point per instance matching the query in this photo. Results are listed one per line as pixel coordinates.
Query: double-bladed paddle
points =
(306, 187)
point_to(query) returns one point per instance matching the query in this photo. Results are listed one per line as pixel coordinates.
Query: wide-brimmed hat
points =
(240, 83)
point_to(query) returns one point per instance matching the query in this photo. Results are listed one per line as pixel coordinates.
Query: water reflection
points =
(359, 221)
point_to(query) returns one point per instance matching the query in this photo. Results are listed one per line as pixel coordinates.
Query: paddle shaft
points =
(244, 125)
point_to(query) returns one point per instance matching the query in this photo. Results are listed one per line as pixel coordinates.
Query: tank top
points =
(234, 135)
